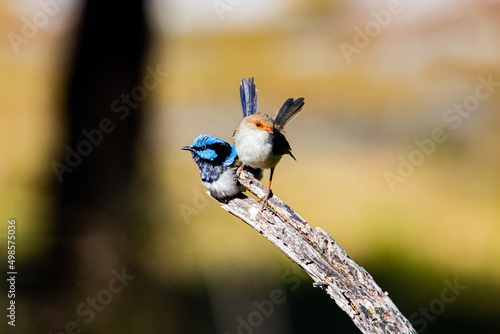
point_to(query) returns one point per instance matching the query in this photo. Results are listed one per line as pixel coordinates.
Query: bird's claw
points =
(238, 171)
(266, 199)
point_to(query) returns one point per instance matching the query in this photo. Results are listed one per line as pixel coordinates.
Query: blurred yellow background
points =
(376, 79)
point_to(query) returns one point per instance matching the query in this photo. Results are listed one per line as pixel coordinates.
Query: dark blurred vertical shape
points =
(108, 62)
(91, 232)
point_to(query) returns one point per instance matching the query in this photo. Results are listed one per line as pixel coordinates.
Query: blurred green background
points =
(199, 269)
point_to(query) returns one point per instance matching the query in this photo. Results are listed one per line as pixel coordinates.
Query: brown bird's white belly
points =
(255, 149)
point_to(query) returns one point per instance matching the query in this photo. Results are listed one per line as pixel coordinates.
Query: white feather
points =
(226, 185)
(255, 148)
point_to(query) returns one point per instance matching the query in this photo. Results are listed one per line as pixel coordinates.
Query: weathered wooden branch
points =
(351, 286)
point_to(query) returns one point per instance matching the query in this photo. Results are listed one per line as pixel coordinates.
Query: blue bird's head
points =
(212, 150)
(212, 155)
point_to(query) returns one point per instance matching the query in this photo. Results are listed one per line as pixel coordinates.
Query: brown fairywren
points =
(259, 140)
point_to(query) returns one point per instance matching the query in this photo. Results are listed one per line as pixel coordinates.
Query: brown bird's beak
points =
(268, 129)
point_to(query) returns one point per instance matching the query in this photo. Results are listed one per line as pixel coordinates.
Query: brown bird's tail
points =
(290, 109)
(249, 96)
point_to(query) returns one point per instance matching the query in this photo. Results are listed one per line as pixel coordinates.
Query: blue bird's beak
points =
(186, 148)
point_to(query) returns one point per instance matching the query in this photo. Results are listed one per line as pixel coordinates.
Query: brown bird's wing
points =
(290, 109)
(281, 145)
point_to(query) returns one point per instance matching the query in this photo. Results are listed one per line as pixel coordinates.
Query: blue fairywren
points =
(259, 140)
(217, 161)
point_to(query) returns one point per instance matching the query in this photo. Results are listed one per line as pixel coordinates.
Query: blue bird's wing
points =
(290, 109)
(248, 95)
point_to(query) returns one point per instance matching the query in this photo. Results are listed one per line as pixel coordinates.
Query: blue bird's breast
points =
(209, 172)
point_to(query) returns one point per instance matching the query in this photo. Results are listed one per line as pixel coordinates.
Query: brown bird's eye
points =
(258, 124)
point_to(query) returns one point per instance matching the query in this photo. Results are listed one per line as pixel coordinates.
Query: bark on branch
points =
(351, 286)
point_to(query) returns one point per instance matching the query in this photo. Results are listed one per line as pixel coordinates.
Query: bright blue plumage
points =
(207, 154)
(217, 162)
(231, 158)
(205, 140)
(215, 159)
(213, 156)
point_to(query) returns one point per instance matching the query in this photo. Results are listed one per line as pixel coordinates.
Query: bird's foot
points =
(265, 199)
(238, 171)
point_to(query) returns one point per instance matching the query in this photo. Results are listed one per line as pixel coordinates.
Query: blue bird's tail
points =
(248, 95)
